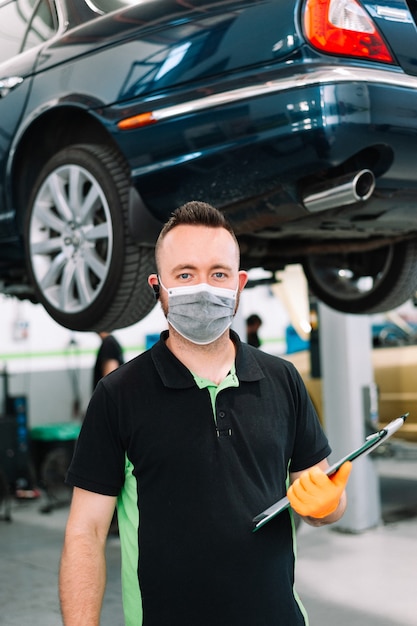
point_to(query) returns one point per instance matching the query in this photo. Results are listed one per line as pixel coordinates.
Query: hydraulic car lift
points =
(347, 375)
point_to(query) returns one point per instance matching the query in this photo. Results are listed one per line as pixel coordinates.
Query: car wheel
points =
(368, 282)
(86, 270)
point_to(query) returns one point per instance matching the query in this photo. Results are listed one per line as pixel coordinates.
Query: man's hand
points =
(315, 494)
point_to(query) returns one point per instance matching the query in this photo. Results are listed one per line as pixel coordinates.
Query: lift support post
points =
(346, 367)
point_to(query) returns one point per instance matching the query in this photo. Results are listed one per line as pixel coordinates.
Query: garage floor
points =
(367, 579)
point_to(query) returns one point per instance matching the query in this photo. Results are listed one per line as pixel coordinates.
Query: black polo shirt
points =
(189, 484)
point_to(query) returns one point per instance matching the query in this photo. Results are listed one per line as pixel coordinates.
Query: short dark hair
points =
(253, 319)
(195, 213)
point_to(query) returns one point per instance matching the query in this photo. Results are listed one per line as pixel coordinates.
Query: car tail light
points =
(343, 27)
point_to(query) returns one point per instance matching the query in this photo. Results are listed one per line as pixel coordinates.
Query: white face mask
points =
(200, 313)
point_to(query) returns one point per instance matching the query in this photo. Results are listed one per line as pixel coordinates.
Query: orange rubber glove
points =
(314, 494)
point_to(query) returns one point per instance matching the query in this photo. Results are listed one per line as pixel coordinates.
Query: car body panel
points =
(388, 16)
(243, 112)
(231, 129)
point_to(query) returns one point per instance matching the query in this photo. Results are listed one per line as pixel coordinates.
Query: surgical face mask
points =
(200, 313)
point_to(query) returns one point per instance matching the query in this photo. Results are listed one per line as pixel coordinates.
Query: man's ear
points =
(243, 279)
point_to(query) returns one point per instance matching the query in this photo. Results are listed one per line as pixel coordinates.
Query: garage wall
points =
(52, 366)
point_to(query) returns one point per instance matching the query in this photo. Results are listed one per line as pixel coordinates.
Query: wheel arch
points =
(397, 266)
(48, 134)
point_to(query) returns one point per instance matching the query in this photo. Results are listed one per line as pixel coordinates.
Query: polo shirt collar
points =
(175, 375)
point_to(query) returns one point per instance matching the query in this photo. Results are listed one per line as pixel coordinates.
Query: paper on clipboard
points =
(370, 443)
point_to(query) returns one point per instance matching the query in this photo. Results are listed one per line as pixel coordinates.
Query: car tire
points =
(365, 283)
(85, 268)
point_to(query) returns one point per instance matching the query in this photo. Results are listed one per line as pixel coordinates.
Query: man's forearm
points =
(82, 580)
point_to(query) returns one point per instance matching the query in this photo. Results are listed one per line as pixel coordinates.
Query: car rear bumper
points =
(291, 127)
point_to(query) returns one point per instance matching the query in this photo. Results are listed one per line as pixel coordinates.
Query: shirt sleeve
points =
(311, 445)
(99, 457)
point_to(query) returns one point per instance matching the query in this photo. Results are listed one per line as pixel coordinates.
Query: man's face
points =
(190, 255)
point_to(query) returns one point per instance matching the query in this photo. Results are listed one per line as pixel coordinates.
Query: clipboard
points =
(371, 442)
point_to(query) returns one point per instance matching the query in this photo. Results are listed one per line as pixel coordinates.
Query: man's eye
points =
(184, 276)
(219, 275)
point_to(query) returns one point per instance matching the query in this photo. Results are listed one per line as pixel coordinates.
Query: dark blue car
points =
(297, 119)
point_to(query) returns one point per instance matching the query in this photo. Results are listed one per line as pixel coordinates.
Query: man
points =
(253, 324)
(194, 438)
(109, 357)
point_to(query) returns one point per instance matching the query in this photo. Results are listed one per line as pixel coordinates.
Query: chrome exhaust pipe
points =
(337, 192)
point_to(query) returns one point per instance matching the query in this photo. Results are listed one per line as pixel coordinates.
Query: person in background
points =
(193, 438)
(253, 324)
(109, 357)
